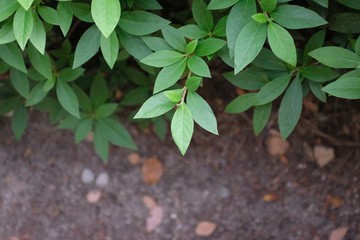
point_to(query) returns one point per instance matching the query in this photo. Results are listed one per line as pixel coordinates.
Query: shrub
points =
(84, 61)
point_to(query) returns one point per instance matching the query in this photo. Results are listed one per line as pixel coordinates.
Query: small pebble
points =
(224, 192)
(87, 176)
(93, 196)
(102, 180)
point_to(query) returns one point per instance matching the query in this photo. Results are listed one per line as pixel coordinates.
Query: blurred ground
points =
(230, 180)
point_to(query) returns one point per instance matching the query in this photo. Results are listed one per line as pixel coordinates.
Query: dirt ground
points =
(230, 180)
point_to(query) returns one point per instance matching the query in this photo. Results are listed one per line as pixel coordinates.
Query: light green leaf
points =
(22, 25)
(336, 57)
(174, 38)
(290, 108)
(69, 74)
(67, 98)
(174, 95)
(7, 33)
(169, 75)
(193, 83)
(162, 58)
(344, 87)
(248, 44)
(182, 127)
(155, 106)
(38, 34)
(198, 66)
(209, 46)
(282, 44)
(296, 17)
(268, 5)
(25, 3)
(87, 46)
(272, 90)
(110, 48)
(65, 17)
(106, 14)
(261, 117)
(49, 14)
(241, 103)
(7, 8)
(201, 112)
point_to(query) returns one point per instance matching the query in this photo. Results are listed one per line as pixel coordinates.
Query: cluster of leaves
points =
(277, 48)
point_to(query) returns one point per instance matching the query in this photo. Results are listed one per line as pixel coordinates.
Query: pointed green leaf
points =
(162, 58)
(290, 108)
(241, 103)
(248, 44)
(110, 48)
(198, 66)
(344, 87)
(23, 25)
(174, 38)
(20, 82)
(38, 35)
(83, 129)
(220, 4)
(182, 127)
(336, 57)
(87, 46)
(261, 117)
(273, 89)
(41, 63)
(106, 14)
(209, 46)
(155, 106)
(19, 121)
(169, 75)
(25, 3)
(282, 44)
(67, 98)
(202, 112)
(65, 17)
(11, 54)
(101, 144)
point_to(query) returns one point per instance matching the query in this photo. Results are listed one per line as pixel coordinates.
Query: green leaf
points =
(105, 110)
(336, 57)
(261, 117)
(155, 106)
(106, 14)
(272, 90)
(248, 44)
(110, 48)
(148, 4)
(220, 27)
(160, 128)
(282, 43)
(156, 43)
(141, 23)
(241, 103)
(260, 18)
(202, 112)
(238, 18)
(19, 121)
(38, 34)
(99, 91)
(67, 98)
(290, 108)
(191, 46)
(323, 3)
(69, 74)
(37, 94)
(345, 22)
(209, 46)
(220, 4)
(268, 5)
(134, 45)
(65, 17)
(41, 63)
(350, 3)
(25, 3)
(10, 54)
(174, 95)
(7, 8)
(296, 17)
(49, 14)
(83, 129)
(162, 58)
(344, 87)
(101, 144)
(198, 66)
(23, 25)
(7, 33)
(202, 16)
(87, 46)
(169, 75)
(20, 82)
(8, 104)
(83, 98)
(193, 31)
(82, 11)
(174, 38)
(316, 89)
(115, 132)
(182, 127)
(318, 73)
(193, 83)
(266, 59)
